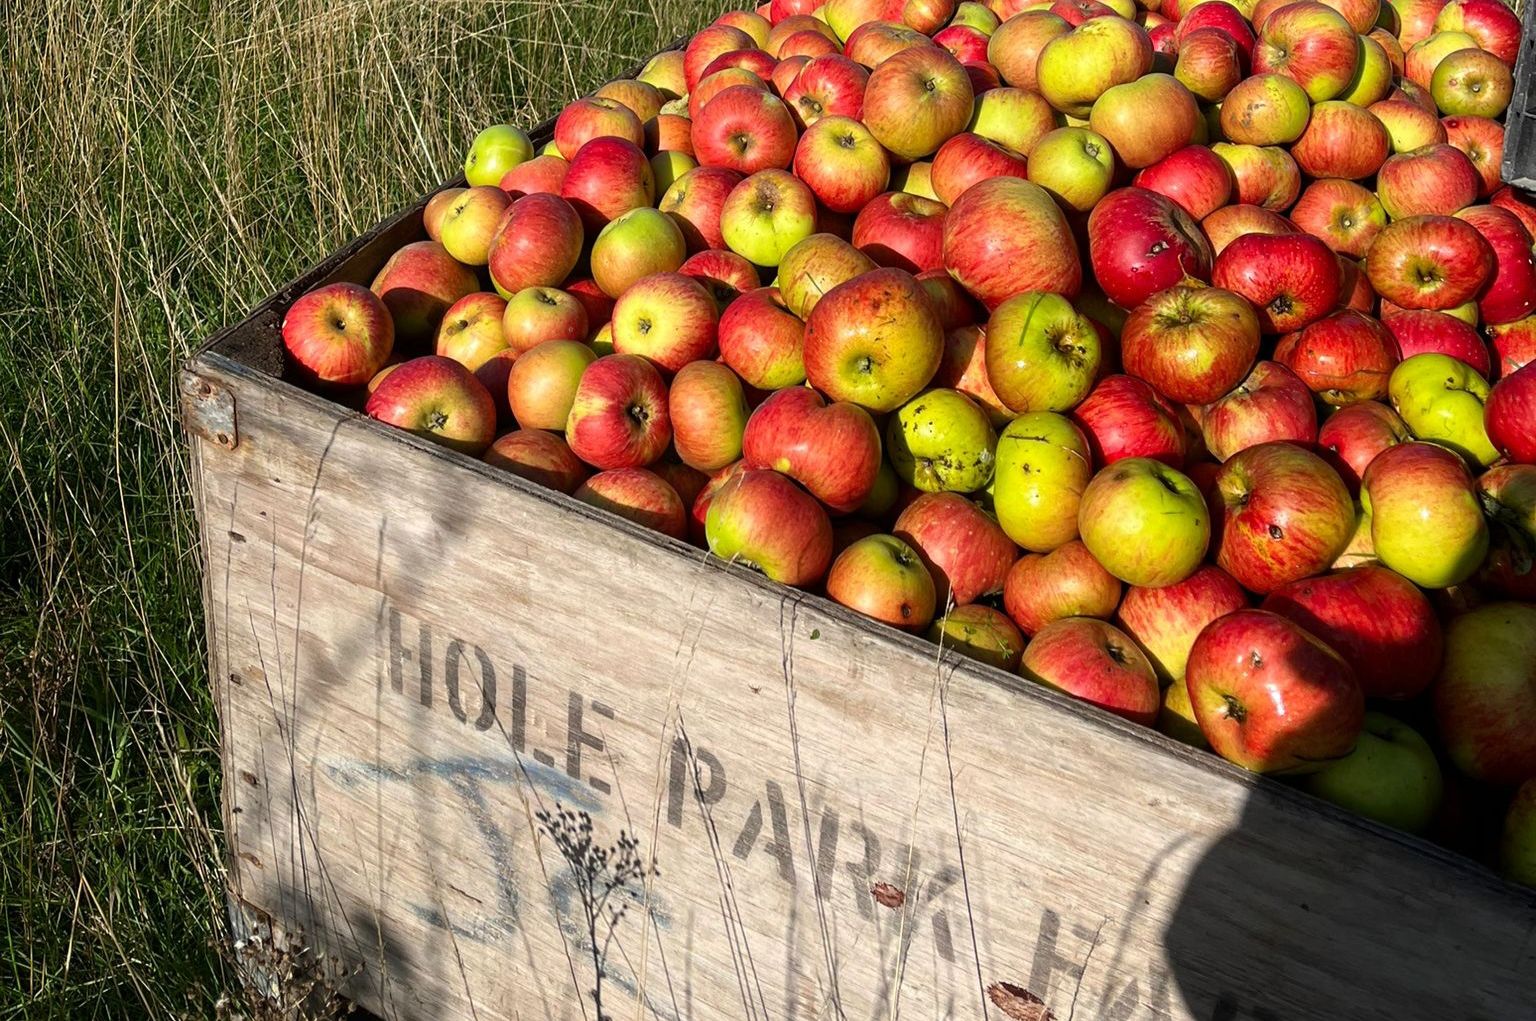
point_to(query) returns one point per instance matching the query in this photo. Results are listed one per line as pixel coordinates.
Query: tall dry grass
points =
(163, 165)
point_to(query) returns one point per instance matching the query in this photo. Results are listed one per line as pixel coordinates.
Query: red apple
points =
(1262, 175)
(1164, 622)
(1120, 116)
(1229, 223)
(1209, 63)
(695, 200)
(1194, 177)
(640, 496)
(608, 178)
(1270, 405)
(874, 42)
(1345, 357)
(1066, 582)
(1094, 661)
(708, 44)
(1192, 343)
(708, 409)
(439, 400)
(725, 275)
(762, 341)
(1514, 345)
(619, 415)
(418, 285)
(966, 159)
(338, 335)
(1346, 216)
(882, 577)
(816, 265)
(1311, 44)
(842, 163)
(1426, 522)
(745, 130)
(1125, 417)
(541, 386)
(833, 450)
(1222, 17)
(1342, 140)
(1510, 413)
(1482, 140)
(713, 84)
(1005, 236)
(1507, 198)
(804, 46)
(966, 44)
(762, 519)
(1292, 279)
(902, 230)
(1429, 262)
(1485, 697)
(437, 208)
(542, 175)
(595, 117)
(1437, 179)
(1495, 27)
(827, 86)
(981, 633)
(876, 362)
(537, 314)
(963, 547)
(1014, 48)
(1270, 697)
(759, 62)
(916, 100)
(1140, 242)
(1510, 292)
(538, 456)
(964, 368)
(954, 306)
(667, 318)
(1352, 436)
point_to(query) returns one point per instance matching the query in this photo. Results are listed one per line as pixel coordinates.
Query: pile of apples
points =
(1175, 357)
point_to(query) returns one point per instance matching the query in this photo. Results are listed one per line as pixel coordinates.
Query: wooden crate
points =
(1519, 165)
(414, 654)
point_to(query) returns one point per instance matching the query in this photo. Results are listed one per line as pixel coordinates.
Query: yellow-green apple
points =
(540, 175)
(827, 86)
(437, 399)
(1426, 523)
(1413, 19)
(1164, 621)
(902, 230)
(762, 341)
(1222, 17)
(941, 440)
(762, 519)
(1422, 332)
(1423, 57)
(1043, 466)
(744, 129)
(1379, 621)
(1077, 68)
(1510, 292)
(1342, 140)
(870, 30)
(665, 71)
(1262, 175)
(766, 214)
(595, 117)
(1269, 405)
(437, 207)
(716, 83)
(963, 548)
(538, 456)
(1209, 63)
(695, 201)
(1066, 582)
(1075, 165)
(1472, 82)
(536, 314)
(1517, 845)
(1392, 776)
(709, 43)
(1292, 280)
(1125, 417)
(338, 335)
(633, 246)
(755, 23)
(1482, 140)
(964, 368)
(541, 386)
(637, 495)
(1229, 223)
(1176, 718)
(643, 99)
(1270, 697)
(1485, 696)
(842, 163)
(1265, 109)
(495, 151)
(916, 100)
(1140, 242)
(724, 274)
(1345, 357)
(977, 16)
(965, 44)
(1495, 27)
(667, 167)
(883, 578)
(1014, 47)
(1120, 116)
(833, 450)
(816, 265)
(1437, 179)
(1198, 180)
(1310, 43)
(1145, 522)
(881, 500)
(471, 331)
(1016, 118)
(1514, 345)
(607, 178)
(1441, 399)
(1409, 126)
(981, 633)
(418, 285)
(1373, 74)
(913, 179)
(667, 318)
(1042, 354)
(1511, 415)
(537, 244)
(708, 409)
(877, 359)
(1192, 343)
(967, 159)
(619, 416)
(1345, 215)
(1282, 514)
(1094, 661)
(1429, 262)
(1351, 437)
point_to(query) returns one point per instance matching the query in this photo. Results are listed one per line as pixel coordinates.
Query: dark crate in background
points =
(1520, 130)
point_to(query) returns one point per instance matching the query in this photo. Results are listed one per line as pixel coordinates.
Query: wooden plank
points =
(777, 755)
(1519, 163)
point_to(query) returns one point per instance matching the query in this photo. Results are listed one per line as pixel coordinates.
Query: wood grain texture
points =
(413, 653)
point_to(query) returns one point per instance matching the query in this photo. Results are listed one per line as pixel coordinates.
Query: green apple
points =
(1391, 776)
(942, 441)
(635, 245)
(1016, 118)
(1146, 523)
(668, 166)
(1077, 68)
(1076, 165)
(1441, 399)
(1177, 717)
(1517, 851)
(974, 15)
(1043, 466)
(1042, 354)
(494, 151)
(980, 632)
(1426, 521)
(766, 215)
(914, 179)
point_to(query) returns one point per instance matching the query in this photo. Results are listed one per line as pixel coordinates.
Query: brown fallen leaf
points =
(1018, 1003)
(887, 896)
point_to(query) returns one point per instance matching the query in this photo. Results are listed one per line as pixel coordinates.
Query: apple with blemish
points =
(1096, 662)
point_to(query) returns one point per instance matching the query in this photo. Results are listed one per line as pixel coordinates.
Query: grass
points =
(164, 164)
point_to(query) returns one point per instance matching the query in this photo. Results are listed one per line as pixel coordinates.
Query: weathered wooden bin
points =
(414, 654)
